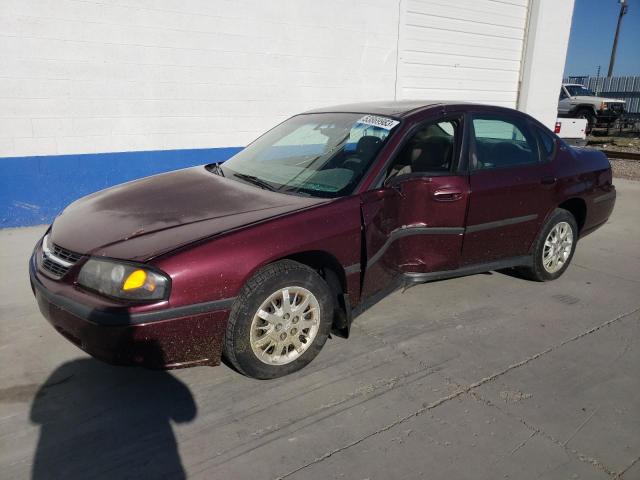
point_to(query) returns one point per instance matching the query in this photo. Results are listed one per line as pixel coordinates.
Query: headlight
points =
(123, 280)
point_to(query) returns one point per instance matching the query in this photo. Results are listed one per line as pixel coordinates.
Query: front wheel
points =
(554, 247)
(280, 321)
(589, 116)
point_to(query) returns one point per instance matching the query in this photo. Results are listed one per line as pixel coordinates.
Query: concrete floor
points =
(484, 377)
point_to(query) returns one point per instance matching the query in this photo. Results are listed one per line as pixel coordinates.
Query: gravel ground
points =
(629, 169)
(619, 144)
(626, 169)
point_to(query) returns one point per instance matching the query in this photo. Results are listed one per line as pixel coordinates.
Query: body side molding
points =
(603, 198)
(500, 223)
(420, 230)
(409, 231)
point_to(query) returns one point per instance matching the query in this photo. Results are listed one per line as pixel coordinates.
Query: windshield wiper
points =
(255, 181)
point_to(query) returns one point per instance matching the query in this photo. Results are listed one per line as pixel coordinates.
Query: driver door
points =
(564, 102)
(414, 223)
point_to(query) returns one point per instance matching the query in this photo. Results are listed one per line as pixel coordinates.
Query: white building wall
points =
(461, 50)
(544, 58)
(129, 75)
(126, 75)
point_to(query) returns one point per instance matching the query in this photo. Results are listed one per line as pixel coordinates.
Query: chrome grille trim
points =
(64, 254)
(57, 260)
(52, 256)
(53, 267)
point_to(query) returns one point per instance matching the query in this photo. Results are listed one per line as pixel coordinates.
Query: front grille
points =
(54, 268)
(56, 260)
(65, 254)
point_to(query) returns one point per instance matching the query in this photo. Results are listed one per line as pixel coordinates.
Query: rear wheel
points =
(554, 247)
(280, 321)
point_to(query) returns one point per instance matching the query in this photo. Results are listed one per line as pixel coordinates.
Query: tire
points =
(261, 322)
(539, 272)
(589, 116)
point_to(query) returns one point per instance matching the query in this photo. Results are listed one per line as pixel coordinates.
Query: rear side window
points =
(502, 142)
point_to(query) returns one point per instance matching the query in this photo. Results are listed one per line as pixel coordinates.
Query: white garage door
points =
(461, 50)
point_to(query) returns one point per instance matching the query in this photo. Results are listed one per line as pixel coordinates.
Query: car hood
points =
(146, 218)
(589, 99)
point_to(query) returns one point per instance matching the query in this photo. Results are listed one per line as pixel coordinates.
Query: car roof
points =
(573, 85)
(404, 108)
(393, 108)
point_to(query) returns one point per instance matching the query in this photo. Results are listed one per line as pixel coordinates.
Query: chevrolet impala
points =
(258, 259)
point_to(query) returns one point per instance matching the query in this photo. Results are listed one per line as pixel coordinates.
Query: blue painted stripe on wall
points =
(33, 190)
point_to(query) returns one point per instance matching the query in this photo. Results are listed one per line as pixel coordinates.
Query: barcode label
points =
(381, 122)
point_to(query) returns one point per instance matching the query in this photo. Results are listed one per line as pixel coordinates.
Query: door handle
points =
(548, 180)
(447, 195)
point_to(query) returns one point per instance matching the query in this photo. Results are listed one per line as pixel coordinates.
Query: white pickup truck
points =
(572, 130)
(577, 101)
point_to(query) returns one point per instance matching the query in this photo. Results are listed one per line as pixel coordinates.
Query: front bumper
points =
(609, 115)
(169, 338)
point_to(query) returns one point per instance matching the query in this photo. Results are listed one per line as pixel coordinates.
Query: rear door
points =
(512, 189)
(414, 223)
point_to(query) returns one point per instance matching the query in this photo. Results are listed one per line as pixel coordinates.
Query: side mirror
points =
(395, 183)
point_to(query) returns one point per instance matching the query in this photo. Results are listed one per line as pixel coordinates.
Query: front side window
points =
(430, 150)
(502, 143)
(321, 154)
(579, 90)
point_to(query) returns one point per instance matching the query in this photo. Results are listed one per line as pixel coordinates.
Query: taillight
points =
(557, 128)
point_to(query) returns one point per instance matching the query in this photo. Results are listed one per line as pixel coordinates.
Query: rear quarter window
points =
(547, 140)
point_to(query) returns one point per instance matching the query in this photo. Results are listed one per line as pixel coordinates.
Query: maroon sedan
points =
(260, 258)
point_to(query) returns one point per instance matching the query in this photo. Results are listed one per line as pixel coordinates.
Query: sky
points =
(592, 31)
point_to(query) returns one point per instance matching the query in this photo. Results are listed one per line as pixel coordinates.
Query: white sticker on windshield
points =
(381, 122)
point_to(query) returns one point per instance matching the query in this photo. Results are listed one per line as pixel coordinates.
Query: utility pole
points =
(623, 10)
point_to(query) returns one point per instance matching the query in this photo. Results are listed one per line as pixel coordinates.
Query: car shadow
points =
(514, 273)
(103, 421)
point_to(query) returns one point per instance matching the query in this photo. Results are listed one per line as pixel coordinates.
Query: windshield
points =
(322, 154)
(576, 90)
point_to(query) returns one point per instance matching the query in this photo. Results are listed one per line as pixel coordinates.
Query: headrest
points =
(368, 146)
(435, 155)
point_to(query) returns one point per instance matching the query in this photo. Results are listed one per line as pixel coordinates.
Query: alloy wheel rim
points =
(557, 247)
(285, 325)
